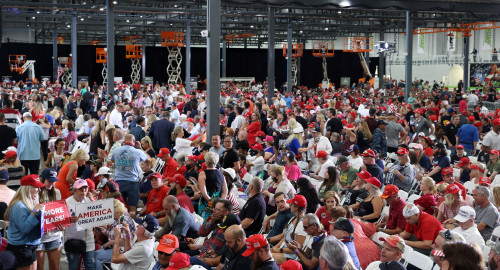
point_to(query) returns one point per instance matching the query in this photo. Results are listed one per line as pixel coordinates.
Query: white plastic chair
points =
(376, 237)
(469, 185)
(472, 159)
(456, 172)
(385, 213)
(403, 195)
(418, 260)
(412, 198)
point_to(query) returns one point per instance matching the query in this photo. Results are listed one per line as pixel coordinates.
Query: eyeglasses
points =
(164, 253)
(227, 141)
(306, 226)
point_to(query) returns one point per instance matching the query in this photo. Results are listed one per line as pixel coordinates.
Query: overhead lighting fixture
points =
(128, 21)
(301, 32)
(140, 16)
(101, 9)
(251, 26)
(33, 17)
(175, 5)
(326, 28)
(82, 19)
(339, 12)
(38, 11)
(344, 3)
(68, 26)
(115, 2)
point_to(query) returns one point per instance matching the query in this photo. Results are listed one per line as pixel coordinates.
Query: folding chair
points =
(418, 260)
(403, 195)
(412, 198)
(376, 237)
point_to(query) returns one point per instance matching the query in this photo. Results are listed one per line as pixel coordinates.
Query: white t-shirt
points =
(140, 256)
(238, 122)
(258, 164)
(183, 147)
(324, 167)
(115, 118)
(356, 163)
(471, 235)
(492, 140)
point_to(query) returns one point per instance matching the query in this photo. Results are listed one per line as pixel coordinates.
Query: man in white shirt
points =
(174, 114)
(115, 118)
(318, 143)
(492, 139)
(127, 94)
(238, 121)
(472, 98)
(139, 255)
(325, 162)
(467, 228)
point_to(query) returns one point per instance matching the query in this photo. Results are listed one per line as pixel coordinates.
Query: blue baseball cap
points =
(451, 110)
(4, 175)
(149, 222)
(49, 174)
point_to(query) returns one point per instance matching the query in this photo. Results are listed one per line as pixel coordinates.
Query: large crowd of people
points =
(341, 178)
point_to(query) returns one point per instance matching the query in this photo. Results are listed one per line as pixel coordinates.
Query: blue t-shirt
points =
(24, 228)
(29, 136)
(127, 160)
(467, 135)
(443, 162)
(425, 162)
(294, 146)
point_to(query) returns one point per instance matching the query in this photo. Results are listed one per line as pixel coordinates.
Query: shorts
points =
(55, 244)
(25, 254)
(129, 191)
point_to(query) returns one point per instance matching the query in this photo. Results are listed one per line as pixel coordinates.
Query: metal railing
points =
(452, 59)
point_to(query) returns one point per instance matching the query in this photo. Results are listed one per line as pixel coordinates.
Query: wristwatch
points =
(281, 250)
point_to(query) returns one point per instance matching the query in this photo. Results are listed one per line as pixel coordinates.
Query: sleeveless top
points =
(15, 175)
(214, 181)
(96, 143)
(366, 208)
(56, 162)
(64, 172)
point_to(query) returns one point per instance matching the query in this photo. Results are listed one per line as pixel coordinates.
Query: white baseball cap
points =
(10, 148)
(465, 213)
(231, 172)
(103, 170)
(410, 210)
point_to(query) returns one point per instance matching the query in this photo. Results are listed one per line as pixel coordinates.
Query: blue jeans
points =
(102, 256)
(88, 260)
(195, 261)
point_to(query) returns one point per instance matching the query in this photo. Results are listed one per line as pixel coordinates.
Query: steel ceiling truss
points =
(237, 17)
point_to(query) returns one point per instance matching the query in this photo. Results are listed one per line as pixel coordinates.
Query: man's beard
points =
(256, 264)
(171, 218)
(172, 192)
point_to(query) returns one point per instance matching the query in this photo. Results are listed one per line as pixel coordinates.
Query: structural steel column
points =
(144, 57)
(409, 54)
(213, 67)
(224, 57)
(188, 57)
(289, 79)
(270, 56)
(74, 56)
(381, 64)
(110, 43)
(54, 53)
(466, 63)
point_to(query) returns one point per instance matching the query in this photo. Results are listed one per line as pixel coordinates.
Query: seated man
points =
(396, 222)
(180, 222)
(466, 226)
(155, 198)
(421, 229)
(139, 255)
(310, 258)
(254, 211)
(177, 185)
(282, 216)
(167, 247)
(343, 230)
(392, 250)
(232, 253)
(323, 159)
(444, 237)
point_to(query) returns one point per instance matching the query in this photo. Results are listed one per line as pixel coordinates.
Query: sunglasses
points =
(164, 253)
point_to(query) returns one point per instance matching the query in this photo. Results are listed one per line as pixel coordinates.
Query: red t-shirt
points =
(396, 218)
(185, 201)
(181, 170)
(170, 168)
(155, 199)
(323, 216)
(427, 201)
(427, 228)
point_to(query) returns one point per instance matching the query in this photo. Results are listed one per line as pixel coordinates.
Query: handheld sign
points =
(56, 213)
(94, 214)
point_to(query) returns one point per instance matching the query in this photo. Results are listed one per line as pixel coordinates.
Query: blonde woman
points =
(277, 183)
(67, 174)
(98, 137)
(452, 202)
(183, 146)
(79, 119)
(147, 146)
(427, 202)
(295, 140)
(370, 208)
(496, 196)
(212, 185)
(23, 215)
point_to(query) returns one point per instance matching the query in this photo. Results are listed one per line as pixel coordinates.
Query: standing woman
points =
(253, 128)
(98, 137)
(183, 146)
(55, 159)
(79, 242)
(292, 170)
(24, 217)
(212, 185)
(67, 175)
(52, 241)
(71, 137)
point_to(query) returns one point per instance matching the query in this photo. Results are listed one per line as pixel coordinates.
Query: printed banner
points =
(451, 43)
(94, 214)
(56, 213)
(420, 43)
(486, 37)
(484, 74)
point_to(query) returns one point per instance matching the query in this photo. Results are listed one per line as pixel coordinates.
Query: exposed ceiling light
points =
(38, 11)
(128, 21)
(33, 17)
(301, 32)
(115, 2)
(251, 26)
(101, 9)
(344, 3)
(326, 28)
(175, 5)
(82, 19)
(339, 12)
(68, 26)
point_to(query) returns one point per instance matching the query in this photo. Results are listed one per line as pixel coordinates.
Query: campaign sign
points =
(56, 213)
(94, 214)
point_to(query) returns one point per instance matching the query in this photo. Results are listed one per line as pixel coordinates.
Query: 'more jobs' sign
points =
(93, 214)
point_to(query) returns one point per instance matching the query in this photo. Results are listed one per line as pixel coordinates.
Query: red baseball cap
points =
(460, 146)
(453, 189)
(364, 174)
(368, 153)
(155, 175)
(32, 180)
(394, 241)
(253, 243)
(257, 146)
(484, 180)
(463, 161)
(11, 154)
(322, 154)
(178, 261)
(193, 158)
(261, 134)
(471, 118)
(492, 152)
(389, 191)
(374, 181)
(419, 111)
(496, 122)
(163, 151)
(190, 120)
(291, 265)
(403, 151)
(433, 118)
(476, 167)
(446, 170)
(299, 200)
(179, 179)
(194, 138)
